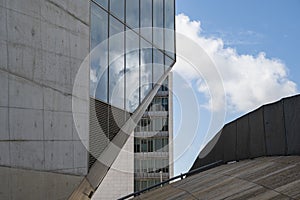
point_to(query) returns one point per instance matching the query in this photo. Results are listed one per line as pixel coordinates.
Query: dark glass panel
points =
(132, 71)
(168, 62)
(146, 68)
(158, 65)
(132, 13)
(146, 19)
(103, 3)
(158, 23)
(116, 63)
(117, 8)
(98, 71)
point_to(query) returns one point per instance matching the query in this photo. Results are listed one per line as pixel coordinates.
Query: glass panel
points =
(116, 61)
(132, 71)
(103, 3)
(146, 19)
(117, 8)
(158, 22)
(144, 145)
(132, 13)
(170, 27)
(146, 68)
(98, 72)
(158, 65)
(168, 62)
(158, 145)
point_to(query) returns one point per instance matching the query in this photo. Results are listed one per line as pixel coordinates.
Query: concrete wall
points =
(42, 44)
(271, 130)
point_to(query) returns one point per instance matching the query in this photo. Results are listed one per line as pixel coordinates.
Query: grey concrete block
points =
(257, 134)
(57, 101)
(79, 46)
(55, 39)
(80, 155)
(4, 131)
(23, 29)
(24, 94)
(81, 127)
(230, 140)
(24, 60)
(80, 9)
(3, 54)
(57, 72)
(25, 124)
(292, 124)
(59, 155)
(58, 125)
(4, 88)
(27, 154)
(4, 153)
(242, 151)
(274, 129)
(28, 7)
(3, 32)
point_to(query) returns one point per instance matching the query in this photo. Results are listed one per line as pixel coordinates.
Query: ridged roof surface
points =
(260, 178)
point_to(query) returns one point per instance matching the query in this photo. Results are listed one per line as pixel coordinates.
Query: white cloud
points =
(249, 80)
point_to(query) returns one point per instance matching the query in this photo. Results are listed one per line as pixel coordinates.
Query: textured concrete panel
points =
(243, 138)
(4, 131)
(229, 144)
(56, 101)
(81, 127)
(79, 48)
(3, 32)
(24, 60)
(3, 54)
(28, 7)
(80, 156)
(58, 125)
(4, 154)
(27, 154)
(274, 129)
(257, 135)
(23, 29)
(26, 124)
(292, 124)
(57, 70)
(59, 155)
(4, 88)
(24, 94)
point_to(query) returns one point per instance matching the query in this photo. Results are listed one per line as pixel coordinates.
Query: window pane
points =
(158, 23)
(168, 62)
(144, 145)
(117, 8)
(132, 13)
(146, 19)
(158, 145)
(116, 61)
(103, 3)
(132, 71)
(98, 72)
(169, 25)
(158, 65)
(146, 68)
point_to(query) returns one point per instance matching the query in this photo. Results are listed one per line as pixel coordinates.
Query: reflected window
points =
(158, 23)
(170, 27)
(116, 63)
(132, 71)
(99, 54)
(117, 8)
(132, 13)
(146, 19)
(158, 65)
(146, 69)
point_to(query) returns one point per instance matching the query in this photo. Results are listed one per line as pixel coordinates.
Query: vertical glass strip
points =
(146, 68)
(146, 19)
(117, 8)
(158, 23)
(132, 13)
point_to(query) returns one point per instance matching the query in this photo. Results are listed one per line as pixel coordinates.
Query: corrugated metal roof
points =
(261, 178)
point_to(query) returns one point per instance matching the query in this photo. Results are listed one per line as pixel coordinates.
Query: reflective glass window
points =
(132, 71)
(158, 23)
(168, 62)
(132, 13)
(99, 53)
(170, 27)
(146, 19)
(158, 65)
(116, 63)
(117, 8)
(146, 68)
(103, 3)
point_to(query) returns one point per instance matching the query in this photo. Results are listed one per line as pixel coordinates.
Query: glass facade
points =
(130, 49)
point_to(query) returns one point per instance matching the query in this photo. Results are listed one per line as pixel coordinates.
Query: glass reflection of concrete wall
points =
(135, 49)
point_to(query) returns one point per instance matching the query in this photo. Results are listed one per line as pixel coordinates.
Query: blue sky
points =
(262, 39)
